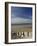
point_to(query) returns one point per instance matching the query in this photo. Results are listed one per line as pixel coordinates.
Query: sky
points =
(21, 15)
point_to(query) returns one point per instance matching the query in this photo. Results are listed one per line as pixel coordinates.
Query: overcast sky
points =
(21, 15)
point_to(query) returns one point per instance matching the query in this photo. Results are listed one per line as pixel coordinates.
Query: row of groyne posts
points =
(21, 35)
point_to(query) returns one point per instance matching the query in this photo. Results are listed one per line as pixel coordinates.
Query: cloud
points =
(18, 20)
